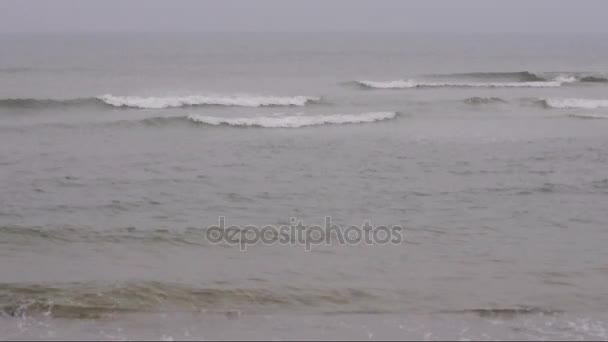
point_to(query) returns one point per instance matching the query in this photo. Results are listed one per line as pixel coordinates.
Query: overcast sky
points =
(304, 15)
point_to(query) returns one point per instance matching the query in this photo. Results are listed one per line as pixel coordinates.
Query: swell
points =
(95, 300)
(138, 102)
(15, 70)
(31, 69)
(412, 83)
(477, 100)
(524, 76)
(589, 115)
(15, 234)
(523, 79)
(519, 76)
(31, 103)
(594, 79)
(506, 313)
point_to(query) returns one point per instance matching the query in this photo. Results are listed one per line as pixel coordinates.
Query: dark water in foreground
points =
(117, 152)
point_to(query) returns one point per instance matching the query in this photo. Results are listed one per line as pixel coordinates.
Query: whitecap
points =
(293, 121)
(198, 100)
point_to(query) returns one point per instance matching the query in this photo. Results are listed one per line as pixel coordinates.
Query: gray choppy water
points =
(116, 152)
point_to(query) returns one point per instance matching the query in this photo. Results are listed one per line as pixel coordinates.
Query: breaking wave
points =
(158, 102)
(294, 121)
(574, 103)
(197, 100)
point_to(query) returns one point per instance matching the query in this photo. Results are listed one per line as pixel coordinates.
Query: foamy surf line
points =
(407, 84)
(574, 103)
(294, 121)
(199, 100)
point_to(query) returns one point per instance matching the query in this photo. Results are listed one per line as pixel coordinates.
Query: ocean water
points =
(119, 151)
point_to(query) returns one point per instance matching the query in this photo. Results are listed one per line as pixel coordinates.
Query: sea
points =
(120, 151)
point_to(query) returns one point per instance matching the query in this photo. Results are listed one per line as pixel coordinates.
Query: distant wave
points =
(489, 80)
(25, 103)
(405, 84)
(158, 102)
(40, 69)
(596, 79)
(15, 70)
(520, 76)
(483, 100)
(294, 121)
(590, 115)
(574, 103)
(524, 76)
(198, 100)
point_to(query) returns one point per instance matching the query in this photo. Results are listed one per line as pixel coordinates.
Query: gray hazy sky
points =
(304, 15)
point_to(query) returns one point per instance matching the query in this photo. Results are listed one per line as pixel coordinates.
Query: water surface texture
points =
(118, 151)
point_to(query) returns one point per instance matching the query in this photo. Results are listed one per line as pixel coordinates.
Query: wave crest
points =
(519, 76)
(405, 84)
(574, 103)
(158, 102)
(294, 121)
(197, 100)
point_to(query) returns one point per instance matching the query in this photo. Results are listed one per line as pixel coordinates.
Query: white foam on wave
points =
(293, 121)
(404, 84)
(197, 100)
(573, 103)
(565, 79)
